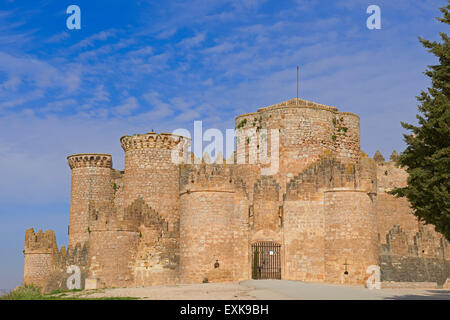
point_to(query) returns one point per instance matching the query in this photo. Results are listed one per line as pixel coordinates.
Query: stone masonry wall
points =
(165, 222)
(307, 130)
(46, 266)
(409, 250)
(113, 241)
(207, 194)
(265, 223)
(151, 175)
(157, 257)
(351, 243)
(40, 251)
(309, 210)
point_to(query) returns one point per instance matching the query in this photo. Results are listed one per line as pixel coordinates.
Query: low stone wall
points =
(408, 285)
(414, 269)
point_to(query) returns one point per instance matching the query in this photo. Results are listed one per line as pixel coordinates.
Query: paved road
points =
(314, 291)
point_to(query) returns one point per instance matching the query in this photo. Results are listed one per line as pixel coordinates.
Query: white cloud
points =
(127, 107)
(193, 41)
(41, 73)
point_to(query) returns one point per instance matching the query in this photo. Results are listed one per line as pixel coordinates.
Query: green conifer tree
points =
(427, 156)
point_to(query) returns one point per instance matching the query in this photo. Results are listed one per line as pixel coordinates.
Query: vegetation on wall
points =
(242, 124)
(339, 128)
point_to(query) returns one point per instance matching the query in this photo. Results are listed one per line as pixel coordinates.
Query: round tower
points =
(207, 197)
(91, 181)
(151, 172)
(351, 229)
(306, 131)
(40, 254)
(113, 243)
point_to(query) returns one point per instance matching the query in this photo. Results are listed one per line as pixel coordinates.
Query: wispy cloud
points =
(192, 41)
(128, 106)
(58, 37)
(211, 61)
(91, 40)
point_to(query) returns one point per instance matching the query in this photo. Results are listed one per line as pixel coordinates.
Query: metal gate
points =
(266, 262)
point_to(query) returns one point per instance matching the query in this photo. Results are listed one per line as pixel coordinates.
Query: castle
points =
(323, 216)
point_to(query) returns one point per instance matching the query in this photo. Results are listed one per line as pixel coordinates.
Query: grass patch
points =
(64, 291)
(32, 292)
(25, 292)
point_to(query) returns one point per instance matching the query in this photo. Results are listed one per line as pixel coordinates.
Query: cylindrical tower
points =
(113, 241)
(206, 223)
(40, 254)
(351, 227)
(91, 181)
(306, 132)
(151, 172)
(351, 240)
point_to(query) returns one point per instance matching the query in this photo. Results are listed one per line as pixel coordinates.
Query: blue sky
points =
(141, 65)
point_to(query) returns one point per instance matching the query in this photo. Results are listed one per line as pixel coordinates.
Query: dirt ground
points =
(267, 290)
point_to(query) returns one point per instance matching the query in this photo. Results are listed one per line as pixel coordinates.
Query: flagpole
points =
(297, 82)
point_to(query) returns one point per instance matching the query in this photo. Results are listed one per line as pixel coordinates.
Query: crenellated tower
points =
(113, 241)
(151, 172)
(306, 130)
(213, 228)
(351, 237)
(40, 257)
(91, 181)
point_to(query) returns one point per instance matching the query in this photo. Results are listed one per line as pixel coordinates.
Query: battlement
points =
(327, 173)
(207, 177)
(305, 129)
(103, 216)
(90, 160)
(41, 242)
(389, 174)
(77, 255)
(293, 103)
(296, 103)
(152, 140)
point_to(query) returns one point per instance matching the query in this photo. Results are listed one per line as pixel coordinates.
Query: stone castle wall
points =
(164, 222)
(157, 257)
(409, 250)
(330, 222)
(46, 266)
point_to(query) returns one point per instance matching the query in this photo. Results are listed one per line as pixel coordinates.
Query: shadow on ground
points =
(430, 295)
